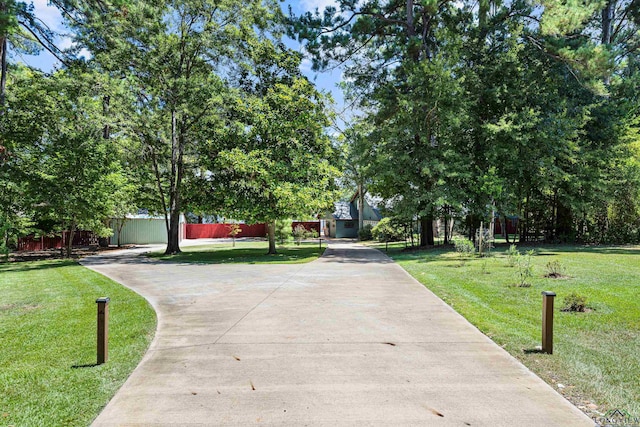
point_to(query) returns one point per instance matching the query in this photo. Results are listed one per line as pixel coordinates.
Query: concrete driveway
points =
(350, 339)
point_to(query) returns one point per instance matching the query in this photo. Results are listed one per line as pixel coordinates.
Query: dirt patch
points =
(557, 276)
(23, 307)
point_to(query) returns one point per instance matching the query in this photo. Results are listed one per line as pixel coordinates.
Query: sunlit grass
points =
(246, 253)
(48, 375)
(596, 354)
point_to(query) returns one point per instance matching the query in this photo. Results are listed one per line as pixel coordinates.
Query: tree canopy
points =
(502, 108)
(478, 111)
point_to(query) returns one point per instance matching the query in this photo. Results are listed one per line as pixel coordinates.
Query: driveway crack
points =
(295, 273)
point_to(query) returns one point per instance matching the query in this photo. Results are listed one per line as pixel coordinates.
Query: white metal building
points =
(143, 229)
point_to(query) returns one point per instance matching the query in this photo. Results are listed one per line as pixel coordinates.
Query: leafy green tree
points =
(505, 108)
(174, 56)
(357, 155)
(281, 166)
(71, 175)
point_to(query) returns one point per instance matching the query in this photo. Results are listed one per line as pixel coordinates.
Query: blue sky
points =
(325, 81)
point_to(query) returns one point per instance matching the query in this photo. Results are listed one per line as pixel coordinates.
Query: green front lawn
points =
(596, 354)
(48, 375)
(246, 253)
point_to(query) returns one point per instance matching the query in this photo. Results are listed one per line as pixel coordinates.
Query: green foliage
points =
(233, 231)
(62, 171)
(555, 269)
(574, 302)
(387, 230)
(245, 253)
(365, 233)
(176, 61)
(605, 340)
(508, 107)
(525, 268)
(281, 166)
(512, 255)
(484, 242)
(300, 233)
(48, 320)
(283, 232)
(465, 248)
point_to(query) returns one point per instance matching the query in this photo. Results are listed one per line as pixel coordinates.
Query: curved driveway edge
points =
(349, 339)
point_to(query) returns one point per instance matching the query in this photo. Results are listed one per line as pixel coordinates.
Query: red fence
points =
(80, 238)
(308, 225)
(217, 231)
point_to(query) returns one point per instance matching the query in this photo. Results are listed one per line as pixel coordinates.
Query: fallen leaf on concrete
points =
(436, 412)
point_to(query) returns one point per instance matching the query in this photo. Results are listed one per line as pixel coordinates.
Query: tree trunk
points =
(564, 222)
(3, 71)
(505, 229)
(163, 201)
(471, 222)
(173, 241)
(106, 130)
(411, 231)
(446, 230)
(4, 9)
(177, 167)
(483, 11)
(120, 225)
(271, 234)
(426, 230)
(607, 20)
(69, 243)
(360, 206)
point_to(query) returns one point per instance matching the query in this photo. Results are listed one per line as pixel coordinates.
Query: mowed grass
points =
(48, 375)
(246, 253)
(596, 354)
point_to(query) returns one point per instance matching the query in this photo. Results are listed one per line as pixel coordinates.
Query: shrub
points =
(283, 231)
(387, 231)
(365, 233)
(300, 233)
(512, 255)
(574, 302)
(234, 230)
(464, 246)
(555, 269)
(525, 268)
(484, 242)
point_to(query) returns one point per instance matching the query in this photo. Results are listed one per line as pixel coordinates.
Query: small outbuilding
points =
(142, 230)
(343, 222)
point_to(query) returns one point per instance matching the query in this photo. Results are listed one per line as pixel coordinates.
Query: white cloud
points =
(311, 5)
(50, 15)
(305, 65)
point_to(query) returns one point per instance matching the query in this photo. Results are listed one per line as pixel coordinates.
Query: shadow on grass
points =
(89, 365)
(534, 351)
(16, 267)
(243, 256)
(554, 249)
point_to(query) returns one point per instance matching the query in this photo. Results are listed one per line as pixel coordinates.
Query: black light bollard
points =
(320, 242)
(547, 321)
(103, 329)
